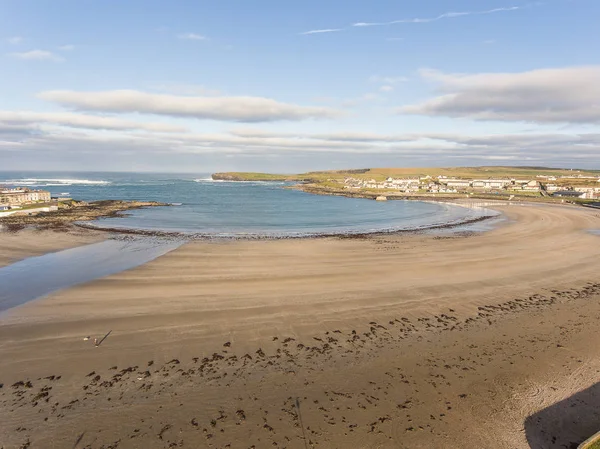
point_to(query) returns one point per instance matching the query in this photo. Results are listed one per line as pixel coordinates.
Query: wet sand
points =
(25, 243)
(390, 341)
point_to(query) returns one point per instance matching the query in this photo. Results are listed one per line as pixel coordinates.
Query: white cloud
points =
(38, 55)
(368, 24)
(68, 47)
(192, 37)
(329, 30)
(387, 83)
(566, 95)
(452, 15)
(387, 79)
(447, 15)
(15, 40)
(27, 118)
(236, 109)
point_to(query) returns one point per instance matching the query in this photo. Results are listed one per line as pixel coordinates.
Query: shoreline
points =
(74, 211)
(267, 237)
(80, 216)
(482, 332)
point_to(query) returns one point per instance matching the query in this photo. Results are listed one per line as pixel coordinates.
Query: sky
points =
(290, 86)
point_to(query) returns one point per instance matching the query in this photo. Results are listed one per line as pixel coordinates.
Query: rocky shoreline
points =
(340, 235)
(75, 211)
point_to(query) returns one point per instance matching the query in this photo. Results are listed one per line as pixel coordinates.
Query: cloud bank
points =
(25, 134)
(234, 109)
(20, 118)
(564, 95)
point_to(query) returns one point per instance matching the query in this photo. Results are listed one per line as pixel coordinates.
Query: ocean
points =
(203, 207)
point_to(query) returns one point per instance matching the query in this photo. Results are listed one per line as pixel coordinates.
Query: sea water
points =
(203, 207)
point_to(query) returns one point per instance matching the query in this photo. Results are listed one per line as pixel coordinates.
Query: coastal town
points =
(576, 186)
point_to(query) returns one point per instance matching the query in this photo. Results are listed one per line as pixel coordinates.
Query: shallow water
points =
(36, 277)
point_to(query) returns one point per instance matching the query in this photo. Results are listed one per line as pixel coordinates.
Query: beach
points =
(18, 245)
(402, 341)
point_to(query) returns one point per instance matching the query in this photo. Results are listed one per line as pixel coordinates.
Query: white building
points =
(23, 195)
(533, 186)
(491, 184)
(457, 183)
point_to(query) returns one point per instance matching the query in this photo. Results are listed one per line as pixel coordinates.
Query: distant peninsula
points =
(486, 182)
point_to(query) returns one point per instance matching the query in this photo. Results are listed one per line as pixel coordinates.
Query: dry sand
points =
(407, 341)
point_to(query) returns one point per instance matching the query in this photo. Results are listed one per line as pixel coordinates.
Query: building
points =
(533, 186)
(569, 194)
(23, 195)
(590, 193)
(457, 183)
(491, 184)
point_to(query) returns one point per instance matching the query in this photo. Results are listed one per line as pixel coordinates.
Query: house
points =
(533, 186)
(589, 192)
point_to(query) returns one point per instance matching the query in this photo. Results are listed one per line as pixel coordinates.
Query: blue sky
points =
(291, 86)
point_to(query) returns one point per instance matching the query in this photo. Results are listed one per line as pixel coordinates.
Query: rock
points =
(381, 198)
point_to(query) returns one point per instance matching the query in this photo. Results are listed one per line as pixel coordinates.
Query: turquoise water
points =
(232, 209)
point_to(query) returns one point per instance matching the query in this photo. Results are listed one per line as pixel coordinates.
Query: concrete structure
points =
(23, 195)
(569, 194)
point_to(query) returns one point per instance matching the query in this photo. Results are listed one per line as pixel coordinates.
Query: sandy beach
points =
(395, 341)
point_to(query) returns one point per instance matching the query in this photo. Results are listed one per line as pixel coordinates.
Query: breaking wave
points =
(46, 182)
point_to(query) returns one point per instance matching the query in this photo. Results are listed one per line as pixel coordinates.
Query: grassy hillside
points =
(382, 173)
